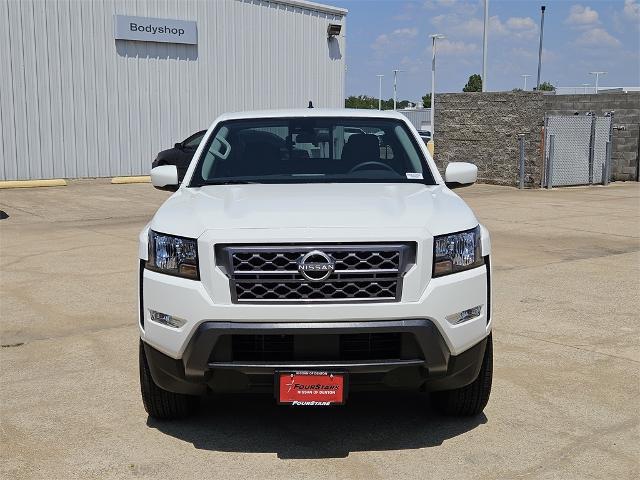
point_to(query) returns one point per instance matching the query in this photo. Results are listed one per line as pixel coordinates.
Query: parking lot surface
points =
(566, 381)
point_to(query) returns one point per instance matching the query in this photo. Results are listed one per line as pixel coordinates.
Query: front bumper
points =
(424, 360)
(191, 300)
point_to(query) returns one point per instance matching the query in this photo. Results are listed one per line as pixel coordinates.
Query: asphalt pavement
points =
(566, 350)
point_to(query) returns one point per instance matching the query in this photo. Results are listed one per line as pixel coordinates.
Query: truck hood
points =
(192, 211)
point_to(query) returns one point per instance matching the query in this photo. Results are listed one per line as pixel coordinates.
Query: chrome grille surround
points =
(270, 273)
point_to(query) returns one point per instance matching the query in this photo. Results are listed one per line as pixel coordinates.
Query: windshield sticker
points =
(414, 176)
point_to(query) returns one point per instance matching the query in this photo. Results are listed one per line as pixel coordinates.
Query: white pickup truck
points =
(300, 258)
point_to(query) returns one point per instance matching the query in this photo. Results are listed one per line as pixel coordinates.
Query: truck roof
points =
(312, 112)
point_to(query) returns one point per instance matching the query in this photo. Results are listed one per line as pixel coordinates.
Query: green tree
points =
(474, 84)
(361, 101)
(366, 102)
(388, 104)
(547, 87)
(426, 100)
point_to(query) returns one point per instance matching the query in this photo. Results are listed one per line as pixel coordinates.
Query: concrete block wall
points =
(483, 128)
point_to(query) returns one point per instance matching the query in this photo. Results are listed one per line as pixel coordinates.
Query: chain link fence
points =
(602, 136)
(577, 150)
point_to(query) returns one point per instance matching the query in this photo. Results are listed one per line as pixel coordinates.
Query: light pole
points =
(525, 76)
(597, 74)
(395, 86)
(379, 91)
(485, 39)
(542, 9)
(434, 37)
(585, 85)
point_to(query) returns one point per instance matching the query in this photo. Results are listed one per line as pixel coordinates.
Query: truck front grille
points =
(273, 273)
(360, 346)
(262, 347)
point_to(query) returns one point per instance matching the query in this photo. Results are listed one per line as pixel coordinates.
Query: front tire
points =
(471, 399)
(160, 403)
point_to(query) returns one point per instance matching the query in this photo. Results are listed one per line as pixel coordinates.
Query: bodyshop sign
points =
(145, 29)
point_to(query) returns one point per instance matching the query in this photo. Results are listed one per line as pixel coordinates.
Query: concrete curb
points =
(53, 182)
(125, 180)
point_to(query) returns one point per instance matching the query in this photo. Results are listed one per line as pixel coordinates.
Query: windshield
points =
(305, 150)
(194, 140)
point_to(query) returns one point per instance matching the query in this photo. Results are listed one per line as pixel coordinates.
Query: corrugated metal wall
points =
(74, 102)
(419, 117)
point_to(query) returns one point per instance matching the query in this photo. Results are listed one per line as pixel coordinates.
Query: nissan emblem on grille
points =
(316, 266)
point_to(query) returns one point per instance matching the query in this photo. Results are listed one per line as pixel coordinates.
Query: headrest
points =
(363, 141)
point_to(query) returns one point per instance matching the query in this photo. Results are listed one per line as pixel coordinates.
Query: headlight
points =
(173, 255)
(457, 252)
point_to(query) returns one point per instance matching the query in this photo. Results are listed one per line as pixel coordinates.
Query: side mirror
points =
(178, 146)
(460, 174)
(165, 177)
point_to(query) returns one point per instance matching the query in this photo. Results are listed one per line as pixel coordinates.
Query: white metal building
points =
(419, 117)
(96, 88)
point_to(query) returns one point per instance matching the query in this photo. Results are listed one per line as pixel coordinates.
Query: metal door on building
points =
(577, 150)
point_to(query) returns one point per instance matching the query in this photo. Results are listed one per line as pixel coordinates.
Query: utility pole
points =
(434, 37)
(525, 76)
(485, 40)
(379, 91)
(395, 87)
(597, 74)
(542, 9)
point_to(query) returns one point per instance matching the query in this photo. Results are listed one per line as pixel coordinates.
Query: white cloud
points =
(430, 4)
(463, 7)
(438, 20)
(467, 28)
(381, 42)
(631, 10)
(518, 27)
(405, 32)
(496, 26)
(459, 48)
(521, 23)
(522, 27)
(475, 27)
(472, 27)
(580, 15)
(394, 41)
(597, 37)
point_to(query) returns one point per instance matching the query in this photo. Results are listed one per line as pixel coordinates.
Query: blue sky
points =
(579, 37)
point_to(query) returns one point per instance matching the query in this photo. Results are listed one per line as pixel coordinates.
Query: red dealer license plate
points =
(311, 388)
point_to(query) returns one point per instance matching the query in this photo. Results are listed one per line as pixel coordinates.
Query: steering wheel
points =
(369, 164)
